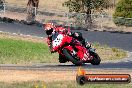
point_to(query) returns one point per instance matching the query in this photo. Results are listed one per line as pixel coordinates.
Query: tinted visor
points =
(49, 32)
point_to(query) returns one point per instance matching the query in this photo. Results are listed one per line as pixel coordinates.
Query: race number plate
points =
(57, 41)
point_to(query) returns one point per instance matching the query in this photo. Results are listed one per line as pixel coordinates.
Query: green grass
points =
(73, 84)
(67, 84)
(107, 53)
(18, 51)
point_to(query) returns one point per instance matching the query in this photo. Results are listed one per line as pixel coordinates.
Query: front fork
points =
(87, 54)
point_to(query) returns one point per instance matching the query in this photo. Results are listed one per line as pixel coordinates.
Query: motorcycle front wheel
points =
(96, 59)
(62, 59)
(71, 58)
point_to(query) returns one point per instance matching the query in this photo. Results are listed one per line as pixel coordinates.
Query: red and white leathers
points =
(51, 30)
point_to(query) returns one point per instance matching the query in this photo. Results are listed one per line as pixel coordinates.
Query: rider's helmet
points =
(48, 27)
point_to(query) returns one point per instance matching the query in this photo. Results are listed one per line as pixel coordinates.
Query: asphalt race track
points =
(120, 40)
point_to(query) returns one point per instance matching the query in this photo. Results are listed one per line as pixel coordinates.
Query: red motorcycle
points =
(74, 52)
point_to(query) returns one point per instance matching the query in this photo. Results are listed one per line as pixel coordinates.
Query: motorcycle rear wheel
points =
(71, 58)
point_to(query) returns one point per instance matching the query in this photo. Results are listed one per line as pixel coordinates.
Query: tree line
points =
(123, 8)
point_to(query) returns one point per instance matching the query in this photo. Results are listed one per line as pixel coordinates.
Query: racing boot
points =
(87, 45)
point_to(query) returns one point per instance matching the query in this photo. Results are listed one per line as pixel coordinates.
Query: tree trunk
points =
(32, 6)
(1, 4)
(88, 20)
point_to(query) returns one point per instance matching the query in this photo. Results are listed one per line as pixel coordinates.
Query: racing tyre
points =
(71, 58)
(62, 59)
(96, 59)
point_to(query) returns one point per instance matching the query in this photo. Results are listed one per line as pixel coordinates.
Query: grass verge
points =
(18, 51)
(22, 50)
(107, 53)
(67, 84)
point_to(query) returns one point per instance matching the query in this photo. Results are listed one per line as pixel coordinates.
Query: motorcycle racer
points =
(59, 37)
(51, 29)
